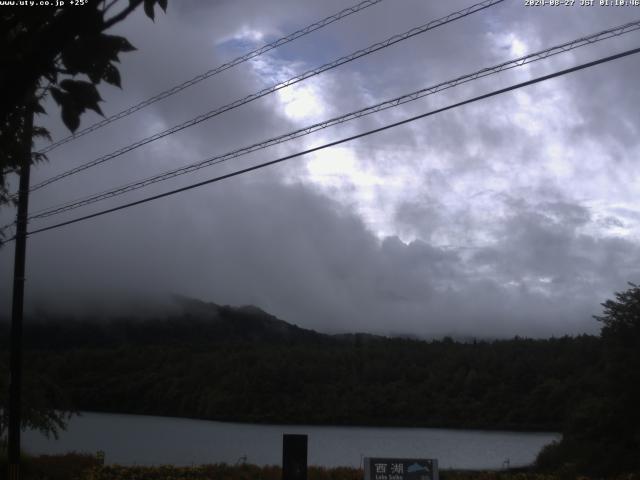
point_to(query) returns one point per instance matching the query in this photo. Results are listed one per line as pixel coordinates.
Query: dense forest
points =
(242, 364)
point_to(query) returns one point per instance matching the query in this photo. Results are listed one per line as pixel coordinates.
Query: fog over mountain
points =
(517, 215)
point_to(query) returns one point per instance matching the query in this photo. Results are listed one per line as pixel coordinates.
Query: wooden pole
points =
(15, 360)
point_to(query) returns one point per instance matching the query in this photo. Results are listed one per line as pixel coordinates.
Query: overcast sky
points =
(517, 215)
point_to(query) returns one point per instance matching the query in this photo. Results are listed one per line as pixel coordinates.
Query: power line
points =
(524, 60)
(214, 71)
(310, 73)
(344, 140)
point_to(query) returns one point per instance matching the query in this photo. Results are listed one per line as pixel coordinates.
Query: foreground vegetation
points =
(242, 364)
(249, 472)
(87, 467)
(72, 466)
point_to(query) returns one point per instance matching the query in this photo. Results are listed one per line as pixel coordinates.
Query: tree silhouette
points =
(63, 52)
(40, 394)
(621, 342)
(66, 53)
(602, 435)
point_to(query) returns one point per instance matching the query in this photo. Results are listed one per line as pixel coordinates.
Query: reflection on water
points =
(146, 440)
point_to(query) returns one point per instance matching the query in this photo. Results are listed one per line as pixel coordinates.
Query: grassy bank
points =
(252, 472)
(76, 466)
(71, 466)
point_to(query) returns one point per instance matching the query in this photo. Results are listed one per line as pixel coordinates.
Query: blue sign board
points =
(400, 469)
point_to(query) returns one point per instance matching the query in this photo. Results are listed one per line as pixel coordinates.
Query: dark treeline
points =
(241, 364)
(245, 365)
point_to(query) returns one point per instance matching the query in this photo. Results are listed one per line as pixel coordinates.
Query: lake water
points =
(147, 440)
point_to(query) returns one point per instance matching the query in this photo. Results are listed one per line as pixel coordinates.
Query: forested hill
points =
(243, 364)
(190, 322)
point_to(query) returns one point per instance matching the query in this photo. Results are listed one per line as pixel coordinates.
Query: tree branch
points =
(106, 8)
(123, 14)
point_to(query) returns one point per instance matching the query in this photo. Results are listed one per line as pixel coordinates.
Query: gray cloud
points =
(509, 216)
(319, 266)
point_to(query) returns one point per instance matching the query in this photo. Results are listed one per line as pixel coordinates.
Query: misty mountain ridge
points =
(185, 321)
(216, 362)
(175, 320)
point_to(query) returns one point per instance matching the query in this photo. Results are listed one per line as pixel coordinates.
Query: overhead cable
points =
(344, 140)
(214, 71)
(409, 97)
(266, 91)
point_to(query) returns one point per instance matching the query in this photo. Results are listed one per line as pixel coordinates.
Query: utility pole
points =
(15, 360)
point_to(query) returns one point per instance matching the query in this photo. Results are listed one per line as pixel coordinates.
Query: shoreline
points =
(497, 429)
(88, 467)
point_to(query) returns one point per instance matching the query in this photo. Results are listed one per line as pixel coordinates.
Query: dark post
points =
(294, 457)
(15, 359)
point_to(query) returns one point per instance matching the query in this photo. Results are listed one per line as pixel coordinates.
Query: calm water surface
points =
(147, 440)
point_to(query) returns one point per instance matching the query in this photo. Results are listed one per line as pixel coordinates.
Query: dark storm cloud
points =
(318, 266)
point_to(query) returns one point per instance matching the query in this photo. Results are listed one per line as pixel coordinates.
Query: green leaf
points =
(94, 73)
(148, 8)
(124, 45)
(70, 109)
(71, 116)
(84, 94)
(111, 75)
(74, 57)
